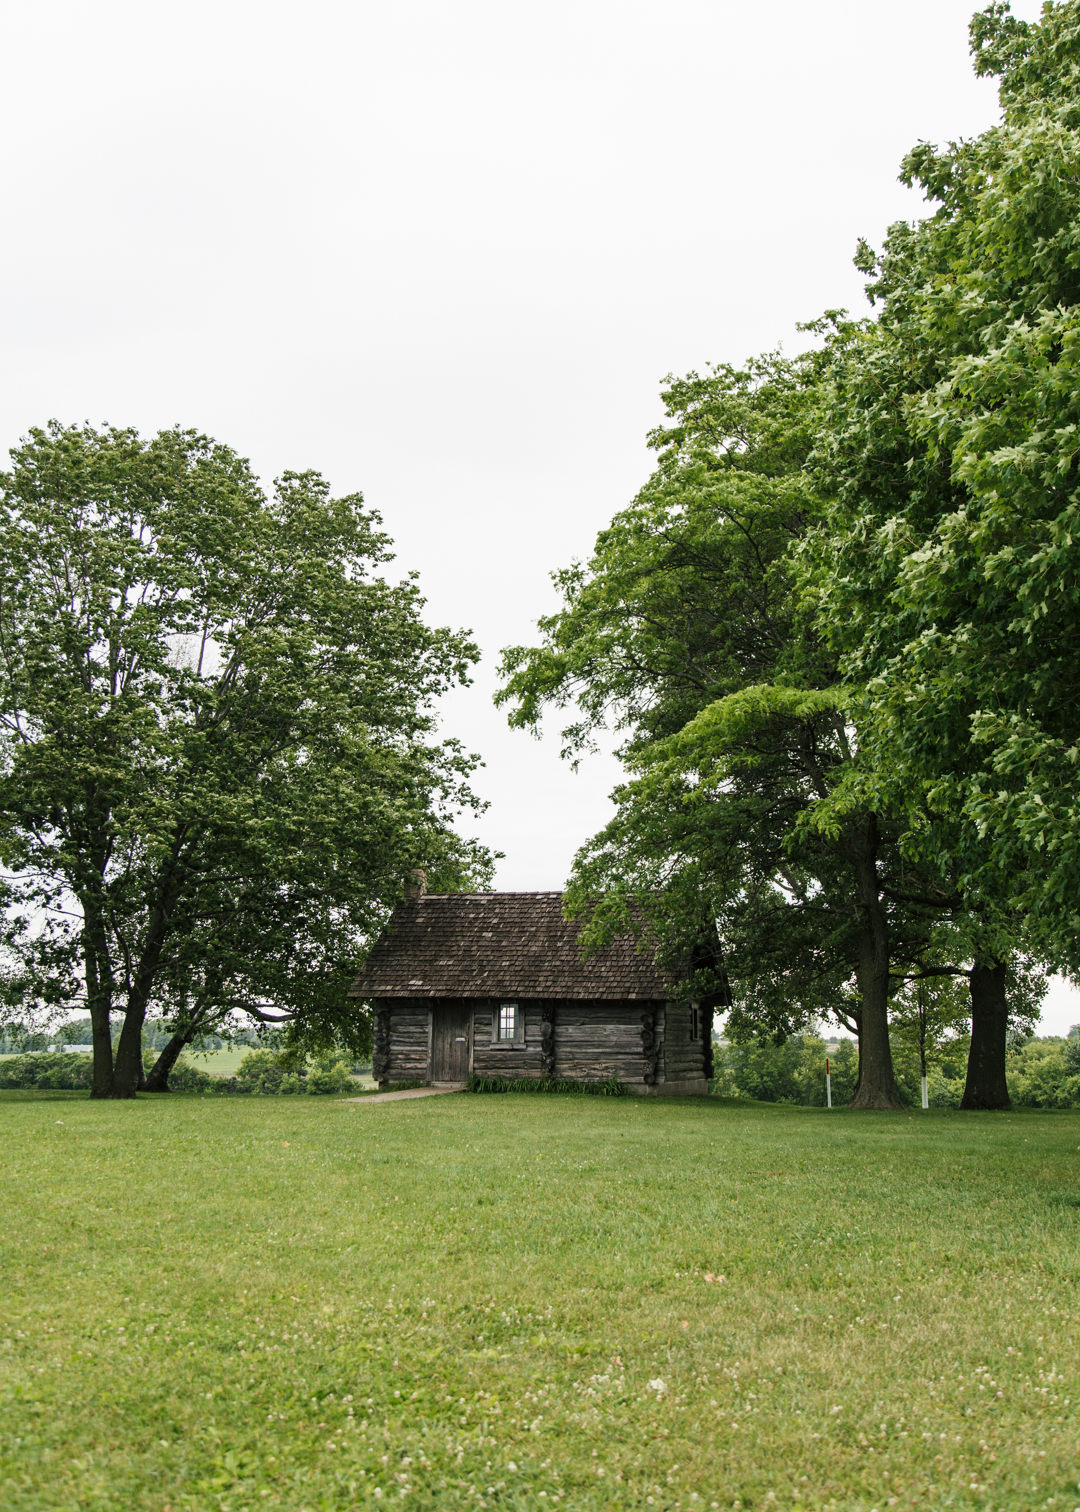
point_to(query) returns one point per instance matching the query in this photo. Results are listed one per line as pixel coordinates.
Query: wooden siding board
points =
(683, 1056)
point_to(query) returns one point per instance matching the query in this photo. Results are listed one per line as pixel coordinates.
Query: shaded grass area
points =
(535, 1302)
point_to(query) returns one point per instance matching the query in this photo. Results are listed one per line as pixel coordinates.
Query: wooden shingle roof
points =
(494, 945)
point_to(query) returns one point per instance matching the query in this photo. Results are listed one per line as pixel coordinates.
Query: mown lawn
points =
(505, 1302)
(223, 1062)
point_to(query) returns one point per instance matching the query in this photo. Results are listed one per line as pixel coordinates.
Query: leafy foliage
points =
(792, 1072)
(1045, 1073)
(953, 574)
(689, 630)
(216, 752)
(52, 1072)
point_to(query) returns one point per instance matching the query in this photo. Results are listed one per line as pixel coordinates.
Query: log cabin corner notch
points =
(494, 984)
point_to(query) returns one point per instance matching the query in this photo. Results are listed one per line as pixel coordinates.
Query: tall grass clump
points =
(612, 1087)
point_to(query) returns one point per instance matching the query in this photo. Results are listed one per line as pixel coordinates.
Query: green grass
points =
(223, 1062)
(296, 1302)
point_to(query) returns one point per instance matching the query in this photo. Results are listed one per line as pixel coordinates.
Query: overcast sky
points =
(445, 253)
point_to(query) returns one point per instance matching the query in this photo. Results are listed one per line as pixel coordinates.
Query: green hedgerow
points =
(57, 1072)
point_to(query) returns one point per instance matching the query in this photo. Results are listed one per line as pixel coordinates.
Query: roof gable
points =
(492, 945)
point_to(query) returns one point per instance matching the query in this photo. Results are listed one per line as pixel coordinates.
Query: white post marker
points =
(925, 1097)
(828, 1083)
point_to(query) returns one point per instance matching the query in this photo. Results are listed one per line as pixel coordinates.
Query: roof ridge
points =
(537, 892)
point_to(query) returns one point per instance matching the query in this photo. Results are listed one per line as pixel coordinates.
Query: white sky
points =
(445, 253)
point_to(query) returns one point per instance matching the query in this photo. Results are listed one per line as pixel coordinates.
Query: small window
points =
(507, 1025)
(695, 1021)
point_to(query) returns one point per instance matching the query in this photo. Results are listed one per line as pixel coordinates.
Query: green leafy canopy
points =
(217, 752)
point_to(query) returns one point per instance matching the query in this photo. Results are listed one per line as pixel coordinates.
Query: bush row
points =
(259, 1073)
(59, 1072)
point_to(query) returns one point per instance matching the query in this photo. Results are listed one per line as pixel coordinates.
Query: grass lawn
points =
(505, 1302)
(223, 1062)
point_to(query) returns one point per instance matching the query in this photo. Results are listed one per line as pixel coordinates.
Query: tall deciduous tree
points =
(217, 745)
(949, 456)
(955, 582)
(686, 631)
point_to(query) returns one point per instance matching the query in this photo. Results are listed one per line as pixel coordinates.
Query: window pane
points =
(507, 1020)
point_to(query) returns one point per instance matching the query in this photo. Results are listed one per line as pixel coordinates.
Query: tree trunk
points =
(99, 1002)
(986, 1086)
(128, 1070)
(128, 1075)
(157, 1078)
(877, 1084)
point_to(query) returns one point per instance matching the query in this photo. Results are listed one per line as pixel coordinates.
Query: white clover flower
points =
(657, 1385)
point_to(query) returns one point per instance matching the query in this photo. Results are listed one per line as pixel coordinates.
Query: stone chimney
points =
(415, 885)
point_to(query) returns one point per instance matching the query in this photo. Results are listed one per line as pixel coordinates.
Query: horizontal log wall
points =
(597, 1041)
(682, 1058)
(594, 1041)
(409, 1039)
(506, 1059)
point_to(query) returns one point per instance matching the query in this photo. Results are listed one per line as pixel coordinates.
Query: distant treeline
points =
(18, 1040)
(1043, 1073)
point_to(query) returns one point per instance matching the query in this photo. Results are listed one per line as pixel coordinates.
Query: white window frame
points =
(517, 1042)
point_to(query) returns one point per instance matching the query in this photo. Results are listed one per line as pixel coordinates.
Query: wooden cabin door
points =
(450, 1042)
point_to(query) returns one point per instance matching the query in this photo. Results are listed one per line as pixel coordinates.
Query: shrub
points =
(329, 1078)
(56, 1072)
(260, 1071)
(793, 1072)
(1045, 1073)
(184, 1077)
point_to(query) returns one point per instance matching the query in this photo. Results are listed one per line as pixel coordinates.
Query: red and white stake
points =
(828, 1083)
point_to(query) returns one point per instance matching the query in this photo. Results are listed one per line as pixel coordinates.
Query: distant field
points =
(219, 1062)
(503, 1302)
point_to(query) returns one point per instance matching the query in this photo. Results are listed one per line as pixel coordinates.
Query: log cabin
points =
(494, 984)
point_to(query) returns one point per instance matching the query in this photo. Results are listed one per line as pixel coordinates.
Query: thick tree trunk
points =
(128, 1069)
(986, 1086)
(877, 1084)
(99, 1002)
(128, 1075)
(157, 1078)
